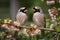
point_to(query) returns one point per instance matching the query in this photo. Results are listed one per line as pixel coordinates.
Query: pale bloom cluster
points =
(10, 25)
(32, 30)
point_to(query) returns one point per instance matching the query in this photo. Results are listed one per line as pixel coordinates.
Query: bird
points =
(38, 16)
(21, 16)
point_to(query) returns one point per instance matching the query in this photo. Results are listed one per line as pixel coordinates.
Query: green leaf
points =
(1, 20)
(7, 19)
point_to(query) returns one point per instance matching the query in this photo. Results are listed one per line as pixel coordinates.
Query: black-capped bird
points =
(21, 16)
(38, 16)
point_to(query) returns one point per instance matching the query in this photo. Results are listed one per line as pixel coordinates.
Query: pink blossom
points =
(37, 31)
(9, 36)
(25, 32)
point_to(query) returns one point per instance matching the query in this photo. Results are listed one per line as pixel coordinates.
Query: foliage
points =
(20, 33)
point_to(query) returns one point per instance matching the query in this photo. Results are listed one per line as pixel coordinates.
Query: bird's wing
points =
(38, 19)
(24, 18)
(21, 18)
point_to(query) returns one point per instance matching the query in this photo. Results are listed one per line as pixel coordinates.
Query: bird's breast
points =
(38, 14)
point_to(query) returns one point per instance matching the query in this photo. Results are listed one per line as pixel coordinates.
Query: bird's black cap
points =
(22, 10)
(36, 10)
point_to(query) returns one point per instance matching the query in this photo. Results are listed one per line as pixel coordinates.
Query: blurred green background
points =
(5, 6)
(4, 9)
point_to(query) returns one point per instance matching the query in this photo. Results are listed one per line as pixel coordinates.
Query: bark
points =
(13, 8)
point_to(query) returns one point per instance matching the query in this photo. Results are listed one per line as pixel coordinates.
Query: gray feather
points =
(21, 18)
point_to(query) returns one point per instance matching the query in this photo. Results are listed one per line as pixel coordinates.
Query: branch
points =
(48, 29)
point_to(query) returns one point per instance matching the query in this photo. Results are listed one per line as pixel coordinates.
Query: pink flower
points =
(5, 26)
(25, 32)
(16, 23)
(37, 31)
(32, 33)
(32, 30)
(15, 29)
(9, 36)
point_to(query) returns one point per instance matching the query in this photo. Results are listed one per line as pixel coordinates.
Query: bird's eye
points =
(33, 8)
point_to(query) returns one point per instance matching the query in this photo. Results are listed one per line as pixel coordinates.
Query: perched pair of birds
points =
(38, 16)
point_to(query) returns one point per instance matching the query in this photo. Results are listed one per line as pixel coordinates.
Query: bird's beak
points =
(33, 10)
(25, 10)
